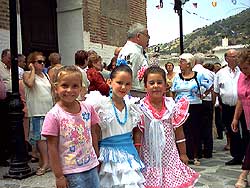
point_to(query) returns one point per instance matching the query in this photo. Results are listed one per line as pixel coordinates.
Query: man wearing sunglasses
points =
(134, 51)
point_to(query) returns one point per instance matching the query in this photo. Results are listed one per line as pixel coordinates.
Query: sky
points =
(163, 24)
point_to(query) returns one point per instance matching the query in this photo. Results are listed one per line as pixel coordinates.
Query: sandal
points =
(42, 171)
(197, 162)
(241, 183)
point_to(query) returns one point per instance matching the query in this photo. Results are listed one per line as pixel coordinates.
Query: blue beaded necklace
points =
(122, 123)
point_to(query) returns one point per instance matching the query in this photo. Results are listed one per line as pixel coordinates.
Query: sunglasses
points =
(40, 61)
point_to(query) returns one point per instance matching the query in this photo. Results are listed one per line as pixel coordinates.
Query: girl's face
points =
(68, 87)
(245, 68)
(121, 84)
(155, 85)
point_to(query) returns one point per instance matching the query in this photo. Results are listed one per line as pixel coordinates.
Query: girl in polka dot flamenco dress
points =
(165, 167)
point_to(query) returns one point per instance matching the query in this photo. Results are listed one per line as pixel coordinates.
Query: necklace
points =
(122, 123)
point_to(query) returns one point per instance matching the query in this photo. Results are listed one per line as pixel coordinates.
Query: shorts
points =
(36, 124)
(87, 179)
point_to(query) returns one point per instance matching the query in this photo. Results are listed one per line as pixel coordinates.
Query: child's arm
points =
(61, 181)
(181, 144)
(137, 138)
(96, 136)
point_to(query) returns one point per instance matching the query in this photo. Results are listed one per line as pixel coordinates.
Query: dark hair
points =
(209, 66)
(5, 52)
(109, 67)
(80, 57)
(155, 69)
(121, 68)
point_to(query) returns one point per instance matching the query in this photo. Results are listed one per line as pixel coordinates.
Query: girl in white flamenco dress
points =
(120, 162)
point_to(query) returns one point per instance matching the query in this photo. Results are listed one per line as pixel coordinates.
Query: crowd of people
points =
(86, 123)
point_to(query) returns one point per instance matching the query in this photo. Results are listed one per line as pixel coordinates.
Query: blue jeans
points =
(87, 179)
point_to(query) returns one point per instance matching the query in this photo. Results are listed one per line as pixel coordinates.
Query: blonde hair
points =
(93, 58)
(66, 70)
(32, 56)
(243, 56)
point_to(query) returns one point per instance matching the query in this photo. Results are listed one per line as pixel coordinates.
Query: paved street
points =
(214, 173)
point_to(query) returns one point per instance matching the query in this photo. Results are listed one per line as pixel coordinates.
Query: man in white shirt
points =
(134, 52)
(225, 85)
(207, 108)
(5, 73)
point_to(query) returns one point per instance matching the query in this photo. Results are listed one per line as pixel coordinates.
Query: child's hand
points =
(61, 182)
(184, 158)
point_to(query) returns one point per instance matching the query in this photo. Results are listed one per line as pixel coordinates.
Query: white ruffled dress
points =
(120, 162)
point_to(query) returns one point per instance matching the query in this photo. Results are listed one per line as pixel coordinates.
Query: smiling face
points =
(155, 85)
(121, 84)
(68, 87)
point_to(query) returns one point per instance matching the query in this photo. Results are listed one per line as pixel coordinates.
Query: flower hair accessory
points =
(141, 72)
(120, 62)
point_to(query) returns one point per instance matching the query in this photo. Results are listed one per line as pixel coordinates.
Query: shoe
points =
(4, 163)
(241, 183)
(197, 162)
(42, 171)
(34, 159)
(234, 162)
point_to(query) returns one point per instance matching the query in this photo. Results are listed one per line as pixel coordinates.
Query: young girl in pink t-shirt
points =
(68, 126)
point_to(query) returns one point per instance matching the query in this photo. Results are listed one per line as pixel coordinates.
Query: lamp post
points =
(178, 9)
(19, 167)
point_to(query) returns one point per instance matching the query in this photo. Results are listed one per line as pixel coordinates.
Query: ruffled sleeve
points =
(137, 117)
(180, 112)
(101, 105)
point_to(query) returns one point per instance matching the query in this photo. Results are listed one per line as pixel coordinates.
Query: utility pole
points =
(19, 167)
(178, 9)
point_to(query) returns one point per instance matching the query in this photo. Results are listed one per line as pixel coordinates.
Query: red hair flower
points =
(141, 72)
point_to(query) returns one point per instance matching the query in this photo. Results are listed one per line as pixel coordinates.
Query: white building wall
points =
(5, 37)
(70, 29)
(71, 34)
(105, 51)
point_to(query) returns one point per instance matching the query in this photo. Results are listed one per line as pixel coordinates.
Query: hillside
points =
(235, 28)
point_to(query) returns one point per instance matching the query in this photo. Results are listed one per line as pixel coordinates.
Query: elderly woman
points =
(243, 103)
(97, 81)
(39, 102)
(188, 83)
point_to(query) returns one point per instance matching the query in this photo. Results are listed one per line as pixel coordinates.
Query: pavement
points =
(214, 173)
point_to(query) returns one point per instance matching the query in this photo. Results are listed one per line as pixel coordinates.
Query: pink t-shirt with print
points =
(75, 142)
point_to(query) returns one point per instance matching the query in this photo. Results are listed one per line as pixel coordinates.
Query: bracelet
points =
(180, 141)
(137, 144)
